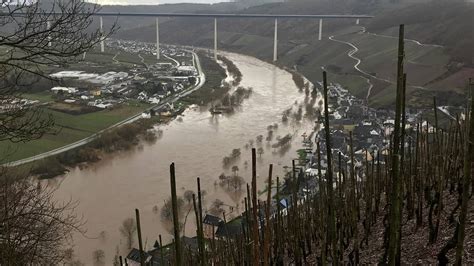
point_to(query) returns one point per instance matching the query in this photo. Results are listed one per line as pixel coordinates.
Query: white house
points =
(69, 90)
(104, 105)
(154, 100)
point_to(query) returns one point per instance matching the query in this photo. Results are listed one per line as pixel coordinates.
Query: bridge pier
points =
(157, 39)
(275, 42)
(357, 22)
(48, 27)
(102, 42)
(320, 35)
(215, 39)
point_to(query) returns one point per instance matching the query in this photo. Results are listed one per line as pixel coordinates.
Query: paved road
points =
(365, 74)
(142, 60)
(172, 59)
(114, 58)
(351, 54)
(200, 80)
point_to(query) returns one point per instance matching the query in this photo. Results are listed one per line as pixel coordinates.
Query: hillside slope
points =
(450, 24)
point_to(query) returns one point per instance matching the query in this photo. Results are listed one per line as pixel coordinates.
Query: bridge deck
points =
(106, 14)
(197, 15)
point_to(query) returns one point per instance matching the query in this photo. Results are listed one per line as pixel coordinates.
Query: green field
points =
(212, 89)
(357, 85)
(44, 96)
(69, 128)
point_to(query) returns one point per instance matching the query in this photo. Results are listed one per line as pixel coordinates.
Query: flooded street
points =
(109, 191)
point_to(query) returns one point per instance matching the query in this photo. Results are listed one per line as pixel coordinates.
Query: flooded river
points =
(108, 192)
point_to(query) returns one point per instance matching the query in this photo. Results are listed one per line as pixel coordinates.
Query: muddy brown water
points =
(108, 192)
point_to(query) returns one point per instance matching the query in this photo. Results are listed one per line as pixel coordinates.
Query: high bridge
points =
(276, 17)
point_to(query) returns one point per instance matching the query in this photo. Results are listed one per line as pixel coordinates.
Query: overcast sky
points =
(151, 2)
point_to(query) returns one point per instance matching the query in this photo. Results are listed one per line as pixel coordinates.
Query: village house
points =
(228, 230)
(210, 225)
(185, 71)
(133, 257)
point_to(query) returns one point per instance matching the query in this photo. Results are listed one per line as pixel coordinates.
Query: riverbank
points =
(123, 138)
(213, 88)
(69, 128)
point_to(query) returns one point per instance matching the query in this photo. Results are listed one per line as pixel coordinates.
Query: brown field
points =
(72, 108)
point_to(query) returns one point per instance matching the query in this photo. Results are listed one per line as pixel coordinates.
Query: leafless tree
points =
(167, 210)
(34, 228)
(34, 36)
(216, 208)
(235, 169)
(237, 182)
(116, 260)
(128, 230)
(98, 257)
(188, 196)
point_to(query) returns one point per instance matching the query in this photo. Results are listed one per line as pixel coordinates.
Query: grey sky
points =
(151, 2)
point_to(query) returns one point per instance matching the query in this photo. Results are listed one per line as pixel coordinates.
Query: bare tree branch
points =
(32, 38)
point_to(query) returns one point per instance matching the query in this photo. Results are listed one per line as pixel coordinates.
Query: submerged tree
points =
(98, 257)
(235, 169)
(236, 182)
(188, 196)
(128, 230)
(167, 209)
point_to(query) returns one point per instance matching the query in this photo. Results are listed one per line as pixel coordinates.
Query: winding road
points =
(142, 60)
(351, 54)
(200, 80)
(364, 30)
(172, 59)
(114, 58)
(367, 76)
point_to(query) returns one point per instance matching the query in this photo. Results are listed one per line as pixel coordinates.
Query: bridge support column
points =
(320, 36)
(215, 39)
(48, 27)
(357, 22)
(157, 39)
(102, 42)
(275, 42)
